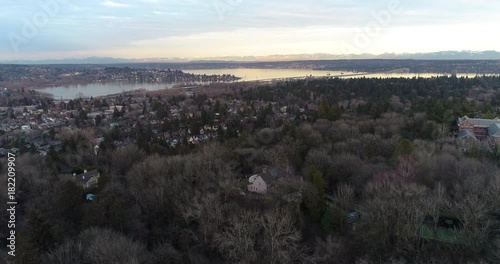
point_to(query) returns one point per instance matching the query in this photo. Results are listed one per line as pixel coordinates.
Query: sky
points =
(55, 29)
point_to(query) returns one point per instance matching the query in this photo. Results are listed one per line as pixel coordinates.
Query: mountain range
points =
(442, 55)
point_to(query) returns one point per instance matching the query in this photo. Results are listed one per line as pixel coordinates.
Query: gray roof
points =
(494, 130)
(466, 133)
(479, 121)
(273, 174)
(84, 177)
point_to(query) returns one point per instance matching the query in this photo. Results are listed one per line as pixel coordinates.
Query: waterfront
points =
(102, 89)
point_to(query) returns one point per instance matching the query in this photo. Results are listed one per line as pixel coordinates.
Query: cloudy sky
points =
(213, 28)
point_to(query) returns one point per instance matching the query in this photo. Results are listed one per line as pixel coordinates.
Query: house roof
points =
(85, 177)
(494, 130)
(466, 133)
(273, 174)
(253, 178)
(479, 121)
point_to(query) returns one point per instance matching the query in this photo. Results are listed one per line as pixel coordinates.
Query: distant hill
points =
(441, 55)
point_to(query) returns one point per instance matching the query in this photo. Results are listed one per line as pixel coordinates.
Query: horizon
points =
(450, 55)
(194, 29)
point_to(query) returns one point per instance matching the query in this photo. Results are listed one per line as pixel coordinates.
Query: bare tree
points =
(344, 197)
(328, 249)
(282, 236)
(99, 246)
(69, 252)
(124, 158)
(237, 239)
(277, 157)
(407, 168)
(108, 247)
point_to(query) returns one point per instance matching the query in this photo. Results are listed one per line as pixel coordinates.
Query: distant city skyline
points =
(56, 29)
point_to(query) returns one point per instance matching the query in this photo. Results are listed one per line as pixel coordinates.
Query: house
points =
(494, 134)
(261, 183)
(467, 139)
(257, 184)
(88, 179)
(472, 130)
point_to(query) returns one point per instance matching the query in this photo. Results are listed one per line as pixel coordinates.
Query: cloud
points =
(114, 4)
(165, 13)
(256, 27)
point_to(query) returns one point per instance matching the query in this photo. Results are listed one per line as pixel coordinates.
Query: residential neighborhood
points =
(187, 119)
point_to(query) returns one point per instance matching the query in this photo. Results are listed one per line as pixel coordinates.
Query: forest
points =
(375, 173)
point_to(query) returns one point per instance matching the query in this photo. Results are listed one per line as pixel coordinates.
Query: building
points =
(494, 133)
(88, 179)
(474, 130)
(260, 183)
(257, 184)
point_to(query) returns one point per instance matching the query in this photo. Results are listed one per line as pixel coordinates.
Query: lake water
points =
(101, 89)
(266, 74)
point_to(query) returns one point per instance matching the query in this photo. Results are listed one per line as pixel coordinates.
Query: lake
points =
(266, 74)
(102, 89)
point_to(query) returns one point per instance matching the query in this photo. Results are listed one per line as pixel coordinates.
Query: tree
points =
(123, 159)
(69, 205)
(237, 240)
(99, 246)
(281, 236)
(52, 133)
(217, 106)
(98, 120)
(40, 230)
(114, 209)
(315, 177)
(327, 220)
(405, 147)
(323, 108)
(312, 201)
(407, 168)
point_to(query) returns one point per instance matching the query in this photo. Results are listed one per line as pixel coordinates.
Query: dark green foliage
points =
(315, 177)
(69, 205)
(40, 230)
(313, 202)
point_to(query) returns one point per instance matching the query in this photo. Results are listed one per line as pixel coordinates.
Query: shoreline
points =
(237, 84)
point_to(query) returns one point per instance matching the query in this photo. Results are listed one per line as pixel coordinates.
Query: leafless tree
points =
(282, 236)
(407, 168)
(69, 252)
(124, 158)
(166, 253)
(277, 157)
(106, 246)
(237, 239)
(344, 197)
(392, 213)
(99, 246)
(328, 250)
